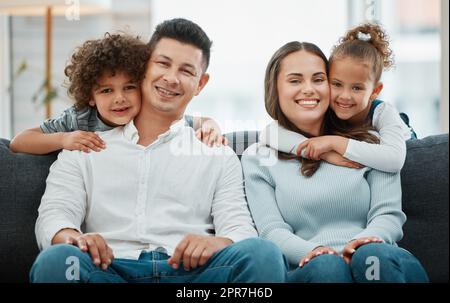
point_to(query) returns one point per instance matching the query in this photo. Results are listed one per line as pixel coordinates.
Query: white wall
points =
(444, 67)
(5, 100)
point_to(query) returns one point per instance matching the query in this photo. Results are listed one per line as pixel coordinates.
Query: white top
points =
(388, 156)
(141, 198)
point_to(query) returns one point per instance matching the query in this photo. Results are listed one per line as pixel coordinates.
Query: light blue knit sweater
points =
(330, 208)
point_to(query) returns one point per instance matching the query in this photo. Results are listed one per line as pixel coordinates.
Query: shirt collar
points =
(131, 133)
(101, 126)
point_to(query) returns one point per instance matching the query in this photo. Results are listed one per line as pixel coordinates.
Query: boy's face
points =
(118, 100)
(174, 76)
(352, 89)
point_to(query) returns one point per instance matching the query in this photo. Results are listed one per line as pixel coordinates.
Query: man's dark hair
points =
(184, 31)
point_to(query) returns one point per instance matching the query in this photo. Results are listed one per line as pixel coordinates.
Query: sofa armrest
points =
(21, 188)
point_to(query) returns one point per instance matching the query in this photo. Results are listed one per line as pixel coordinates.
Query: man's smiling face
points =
(174, 76)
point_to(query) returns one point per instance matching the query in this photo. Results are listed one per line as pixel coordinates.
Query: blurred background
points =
(38, 37)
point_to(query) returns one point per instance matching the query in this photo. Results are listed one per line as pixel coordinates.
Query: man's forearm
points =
(64, 234)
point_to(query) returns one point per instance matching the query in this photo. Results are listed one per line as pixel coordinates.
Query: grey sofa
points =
(425, 202)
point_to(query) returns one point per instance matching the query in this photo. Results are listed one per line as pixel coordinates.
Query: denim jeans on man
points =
(375, 262)
(250, 260)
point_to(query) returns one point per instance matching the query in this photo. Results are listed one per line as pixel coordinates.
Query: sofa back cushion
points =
(425, 203)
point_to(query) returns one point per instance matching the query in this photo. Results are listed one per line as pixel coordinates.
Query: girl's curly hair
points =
(373, 48)
(113, 53)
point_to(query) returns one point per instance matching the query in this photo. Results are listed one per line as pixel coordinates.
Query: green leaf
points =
(22, 67)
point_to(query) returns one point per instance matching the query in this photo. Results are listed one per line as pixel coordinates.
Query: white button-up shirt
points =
(141, 198)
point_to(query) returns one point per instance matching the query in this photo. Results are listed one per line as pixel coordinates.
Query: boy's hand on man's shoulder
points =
(83, 141)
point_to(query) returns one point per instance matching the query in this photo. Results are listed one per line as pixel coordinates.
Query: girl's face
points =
(352, 89)
(117, 98)
(303, 90)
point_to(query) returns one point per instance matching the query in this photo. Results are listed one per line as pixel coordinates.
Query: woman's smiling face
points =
(303, 90)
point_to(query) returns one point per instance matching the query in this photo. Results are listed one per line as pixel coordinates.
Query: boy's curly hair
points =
(113, 53)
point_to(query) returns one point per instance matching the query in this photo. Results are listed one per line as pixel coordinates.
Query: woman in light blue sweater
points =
(333, 223)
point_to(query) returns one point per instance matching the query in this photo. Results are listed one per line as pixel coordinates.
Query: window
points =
(414, 85)
(245, 34)
(27, 45)
(5, 100)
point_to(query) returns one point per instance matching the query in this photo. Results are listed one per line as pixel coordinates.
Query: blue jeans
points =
(251, 260)
(375, 262)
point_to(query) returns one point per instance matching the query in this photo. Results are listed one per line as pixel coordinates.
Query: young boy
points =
(104, 79)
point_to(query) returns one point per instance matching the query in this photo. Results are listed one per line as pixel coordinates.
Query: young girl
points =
(104, 79)
(356, 66)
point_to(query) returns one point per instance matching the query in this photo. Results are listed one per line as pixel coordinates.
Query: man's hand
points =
(83, 141)
(320, 250)
(196, 250)
(351, 246)
(101, 253)
(210, 134)
(334, 158)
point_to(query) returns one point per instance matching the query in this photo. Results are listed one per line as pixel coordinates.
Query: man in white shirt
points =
(156, 205)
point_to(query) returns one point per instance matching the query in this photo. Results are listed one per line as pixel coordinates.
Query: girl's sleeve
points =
(260, 191)
(190, 120)
(385, 218)
(281, 139)
(390, 154)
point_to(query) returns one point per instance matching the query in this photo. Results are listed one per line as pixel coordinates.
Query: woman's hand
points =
(351, 246)
(320, 250)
